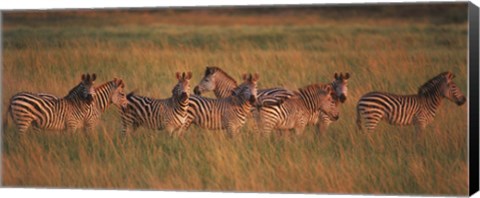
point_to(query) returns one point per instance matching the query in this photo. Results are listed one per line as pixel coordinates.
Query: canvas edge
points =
(473, 60)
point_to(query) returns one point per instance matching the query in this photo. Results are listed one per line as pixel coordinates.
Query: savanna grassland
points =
(385, 48)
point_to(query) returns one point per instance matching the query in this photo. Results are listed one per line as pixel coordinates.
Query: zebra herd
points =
(272, 109)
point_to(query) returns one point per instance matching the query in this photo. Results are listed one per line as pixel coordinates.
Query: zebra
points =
(300, 110)
(218, 81)
(163, 114)
(45, 111)
(222, 85)
(418, 109)
(228, 113)
(111, 92)
(339, 84)
(105, 94)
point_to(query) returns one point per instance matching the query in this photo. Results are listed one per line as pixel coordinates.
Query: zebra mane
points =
(212, 70)
(73, 90)
(129, 95)
(99, 87)
(432, 84)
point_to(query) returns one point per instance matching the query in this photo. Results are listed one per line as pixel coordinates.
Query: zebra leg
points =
(321, 127)
(371, 120)
(359, 119)
(300, 127)
(126, 124)
(419, 129)
(173, 132)
(89, 127)
(23, 124)
(233, 131)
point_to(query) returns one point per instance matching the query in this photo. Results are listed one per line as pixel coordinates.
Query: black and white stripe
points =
(45, 111)
(163, 114)
(418, 109)
(339, 84)
(228, 113)
(111, 92)
(222, 85)
(300, 110)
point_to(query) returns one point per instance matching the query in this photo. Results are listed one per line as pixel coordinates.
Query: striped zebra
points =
(228, 113)
(339, 84)
(45, 111)
(300, 110)
(163, 114)
(111, 92)
(222, 85)
(218, 81)
(418, 109)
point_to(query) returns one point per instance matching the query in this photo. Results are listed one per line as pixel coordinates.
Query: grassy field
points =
(383, 47)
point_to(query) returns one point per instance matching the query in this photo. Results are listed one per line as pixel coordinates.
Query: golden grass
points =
(387, 54)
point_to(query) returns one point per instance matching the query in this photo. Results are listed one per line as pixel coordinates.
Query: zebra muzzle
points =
(461, 101)
(196, 91)
(342, 98)
(89, 99)
(335, 117)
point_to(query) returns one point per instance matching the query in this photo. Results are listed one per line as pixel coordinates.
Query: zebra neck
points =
(432, 101)
(74, 96)
(224, 88)
(178, 103)
(244, 104)
(310, 102)
(103, 95)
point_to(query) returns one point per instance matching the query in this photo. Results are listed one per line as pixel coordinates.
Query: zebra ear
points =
(189, 75)
(449, 75)
(183, 75)
(120, 83)
(347, 76)
(255, 77)
(177, 74)
(83, 77)
(335, 75)
(245, 77)
(209, 71)
(94, 76)
(328, 90)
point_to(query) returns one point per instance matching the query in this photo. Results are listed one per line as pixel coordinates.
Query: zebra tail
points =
(5, 118)
(359, 119)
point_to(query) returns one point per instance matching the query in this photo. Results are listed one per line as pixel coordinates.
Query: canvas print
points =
(325, 99)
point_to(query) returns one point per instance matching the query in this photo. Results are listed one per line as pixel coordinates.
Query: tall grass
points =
(385, 54)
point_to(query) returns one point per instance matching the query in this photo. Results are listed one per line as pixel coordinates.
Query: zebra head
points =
(208, 81)
(247, 91)
(340, 85)
(216, 80)
(451, 90)
(329, 106)
(119, 97)
(88, 90)
(182, 89)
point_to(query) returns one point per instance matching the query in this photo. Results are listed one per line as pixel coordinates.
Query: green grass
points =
(382, 53)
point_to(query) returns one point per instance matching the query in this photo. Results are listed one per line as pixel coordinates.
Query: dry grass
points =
(146, 49)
